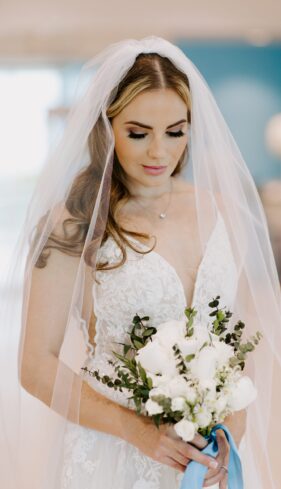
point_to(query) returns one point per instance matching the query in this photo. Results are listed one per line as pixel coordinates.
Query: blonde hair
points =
(150, 71)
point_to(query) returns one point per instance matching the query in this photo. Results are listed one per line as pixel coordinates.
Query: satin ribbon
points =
(195, 472)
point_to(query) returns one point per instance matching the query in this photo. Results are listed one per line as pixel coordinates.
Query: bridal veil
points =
(32, 428)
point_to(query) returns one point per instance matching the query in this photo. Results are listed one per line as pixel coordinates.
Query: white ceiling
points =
(72, 29)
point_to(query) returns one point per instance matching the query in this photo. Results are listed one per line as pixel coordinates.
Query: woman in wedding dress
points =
(131, 234)
(159, 283)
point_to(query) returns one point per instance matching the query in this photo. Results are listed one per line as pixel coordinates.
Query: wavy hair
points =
(150, 71)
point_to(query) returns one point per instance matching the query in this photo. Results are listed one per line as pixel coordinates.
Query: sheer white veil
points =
(32, 429)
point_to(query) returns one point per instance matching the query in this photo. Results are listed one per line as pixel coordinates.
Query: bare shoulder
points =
(182, 186)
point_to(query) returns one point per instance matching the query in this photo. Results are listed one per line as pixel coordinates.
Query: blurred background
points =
(236, 46)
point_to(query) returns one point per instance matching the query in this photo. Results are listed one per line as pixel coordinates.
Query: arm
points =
(48, 306)
(47, 310)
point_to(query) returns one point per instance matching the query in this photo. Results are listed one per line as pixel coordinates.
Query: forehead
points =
(154, 104)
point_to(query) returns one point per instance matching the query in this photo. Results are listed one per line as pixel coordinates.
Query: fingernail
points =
(213, 464)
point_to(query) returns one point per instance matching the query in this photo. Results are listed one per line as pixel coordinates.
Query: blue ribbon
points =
(195, 472)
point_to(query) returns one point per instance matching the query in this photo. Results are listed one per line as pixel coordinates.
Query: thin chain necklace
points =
(162, 214)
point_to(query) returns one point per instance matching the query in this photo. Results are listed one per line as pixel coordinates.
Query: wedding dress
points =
(147, 285)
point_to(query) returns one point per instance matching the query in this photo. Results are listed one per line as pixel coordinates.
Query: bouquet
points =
(189, 376)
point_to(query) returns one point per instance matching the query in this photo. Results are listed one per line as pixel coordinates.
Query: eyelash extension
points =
(134, 135)
(177, 134)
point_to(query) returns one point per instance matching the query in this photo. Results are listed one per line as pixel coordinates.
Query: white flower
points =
(185, 429)
(190, 394)
(178, 404)
(224, 351)
(203, 417)
(201, 335)
(177, 386)
(188, 346)
(161, 390)
(155, 359)
(203, 367)
(220, 403)
(153, 407)
(209, 388)
(170, 332)
(158, 380)
(242, 393)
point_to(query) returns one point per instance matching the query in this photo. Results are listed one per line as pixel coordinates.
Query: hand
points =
(165, 446)
(219, 475)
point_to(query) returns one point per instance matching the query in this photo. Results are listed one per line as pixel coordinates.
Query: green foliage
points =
(234, 338)
(221, 317)
(181, 366)
(130, 375)
(190, 313)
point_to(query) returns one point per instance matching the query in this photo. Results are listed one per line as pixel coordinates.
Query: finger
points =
(220, 475)
(194, 454)
(223, 444)
(214, 480)
(223, 481)
(174, 464)
(179, 457)
(199, 441)
(213, 472)
(222, 457)
(224, 448)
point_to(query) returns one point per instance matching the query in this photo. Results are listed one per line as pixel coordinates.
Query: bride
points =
(145, 207)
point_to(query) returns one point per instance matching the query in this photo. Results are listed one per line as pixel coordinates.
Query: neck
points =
(140, 191)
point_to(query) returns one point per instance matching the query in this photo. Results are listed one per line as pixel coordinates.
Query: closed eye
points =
(177, 134)
(139, 135)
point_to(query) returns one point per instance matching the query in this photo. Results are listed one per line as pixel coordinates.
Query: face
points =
(150, 136)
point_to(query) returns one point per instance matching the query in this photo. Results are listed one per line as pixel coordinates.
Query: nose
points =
(156, 149)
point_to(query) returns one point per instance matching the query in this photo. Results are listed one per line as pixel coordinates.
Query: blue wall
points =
(246, 83)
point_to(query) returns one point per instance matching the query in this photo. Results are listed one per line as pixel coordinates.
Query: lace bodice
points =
(148, 284)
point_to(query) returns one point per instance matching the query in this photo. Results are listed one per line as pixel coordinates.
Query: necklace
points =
(162, 214)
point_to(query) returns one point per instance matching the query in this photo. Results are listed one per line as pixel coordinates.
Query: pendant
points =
(162, 215)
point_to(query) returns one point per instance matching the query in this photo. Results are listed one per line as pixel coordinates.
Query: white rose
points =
(190, 394)
(170, 332)
(161, 390)
(208, 384)
(185, 429)
(158, 380)
(225, 352)
(203, 367)
(220, 403)
(178, 404)
(242, 393)
(155, 359)
(153, 407)
(188, 346)
(203, 418)
(201, 335)
(177, 386)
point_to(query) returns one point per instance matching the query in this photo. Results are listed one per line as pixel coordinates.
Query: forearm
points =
(236, 423)
(100, 413)
(96, 411)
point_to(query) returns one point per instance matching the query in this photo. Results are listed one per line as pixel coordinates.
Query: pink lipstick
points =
(154, 170)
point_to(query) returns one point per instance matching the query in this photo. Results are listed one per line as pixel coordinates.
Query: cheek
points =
(178, 148)
(127, 150)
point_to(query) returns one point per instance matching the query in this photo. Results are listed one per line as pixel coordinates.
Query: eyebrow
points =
(149, 127)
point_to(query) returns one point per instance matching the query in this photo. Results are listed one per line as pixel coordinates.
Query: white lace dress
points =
(147, 285)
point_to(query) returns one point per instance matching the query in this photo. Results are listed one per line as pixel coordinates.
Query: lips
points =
(154, 167)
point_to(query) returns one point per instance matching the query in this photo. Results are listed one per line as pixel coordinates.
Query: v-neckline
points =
(173, 269)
